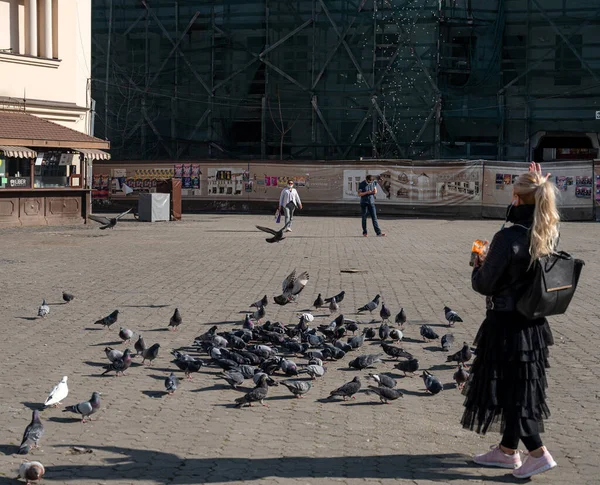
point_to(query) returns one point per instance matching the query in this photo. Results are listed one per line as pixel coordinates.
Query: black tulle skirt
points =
(508, 375)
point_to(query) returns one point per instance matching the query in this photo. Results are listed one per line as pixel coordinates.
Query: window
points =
(15, 173)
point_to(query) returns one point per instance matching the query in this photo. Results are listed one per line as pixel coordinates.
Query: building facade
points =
(337, 79)
(46, 147)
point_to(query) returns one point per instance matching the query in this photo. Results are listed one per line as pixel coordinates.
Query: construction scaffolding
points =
(343, 79)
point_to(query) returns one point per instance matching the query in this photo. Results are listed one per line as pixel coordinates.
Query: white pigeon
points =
(308, 317)
(58, 393)
(44, 309)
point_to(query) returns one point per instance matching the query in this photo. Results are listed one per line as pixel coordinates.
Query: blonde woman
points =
(506, 390)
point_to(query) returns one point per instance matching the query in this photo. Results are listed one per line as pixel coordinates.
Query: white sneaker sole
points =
(497, 465)
(543, 469)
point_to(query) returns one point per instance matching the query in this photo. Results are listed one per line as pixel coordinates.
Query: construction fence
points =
(459, 188)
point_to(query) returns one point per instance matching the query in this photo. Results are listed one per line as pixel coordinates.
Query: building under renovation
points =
(343, 79)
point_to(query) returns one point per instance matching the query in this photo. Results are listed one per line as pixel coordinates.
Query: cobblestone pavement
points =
(212, 267)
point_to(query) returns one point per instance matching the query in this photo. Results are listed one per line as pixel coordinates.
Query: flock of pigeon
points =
(263, 352)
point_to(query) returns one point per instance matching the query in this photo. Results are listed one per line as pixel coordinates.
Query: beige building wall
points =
(45, 59)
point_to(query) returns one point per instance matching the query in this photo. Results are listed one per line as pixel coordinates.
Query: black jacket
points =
(504, 272)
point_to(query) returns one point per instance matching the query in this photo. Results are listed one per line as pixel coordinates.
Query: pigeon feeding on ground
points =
(108, 222)
(86, 408)
(385, 393)
(258, 394)
(364, 361)
(277, 235)
(395, 352)
(151, 353)
(462, 356)
(319, 302)
(461, 376)
(369, 333)
(291, 287)
(396, 335)
(447, 341)
(313, 370)
(44, 309)
(401, 317)
(384, 312)
(109, 320)
(357, 341)
(113, 354)
(432, 383)
(175, 320)
(411, 365)
(428, 334)
(451, 316)
(58, 393)
(31, 471)
(262, 302)
(338, 298)
(347, 390)
(372, 305)
(187, 363)
(33, 434)
(171, 383)
(67, 297)
(233, 377)
(297, 388)
(139, 345)
(119, 365)
(259, 314)
(383, 380)
(125, 334)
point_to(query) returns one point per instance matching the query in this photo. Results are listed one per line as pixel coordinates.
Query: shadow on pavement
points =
(440, 467)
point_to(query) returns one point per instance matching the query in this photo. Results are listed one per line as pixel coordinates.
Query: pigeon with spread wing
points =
(108, 222)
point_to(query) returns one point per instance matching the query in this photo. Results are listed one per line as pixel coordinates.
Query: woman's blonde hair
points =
(534, 188)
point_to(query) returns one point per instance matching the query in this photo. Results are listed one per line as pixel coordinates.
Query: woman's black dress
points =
(508, 375)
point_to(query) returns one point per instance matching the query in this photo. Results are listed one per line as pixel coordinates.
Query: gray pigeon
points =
(401, 317)
(347, 390)
(288, 367)
(233, 377)
(385, 393)
(364, 361)
(297, 388)
(338, 298)
(44, 309)
(140, 345)
(451, 316)
(109, 320)
(113, 354)
(462, 356)
(264, 301)
(461, 376)
(428, 334)
(385, 312)
(67, 297)
(175, 320)
(333, 306)
(395, 352)
(383, 380)
(108, 223)
(319, 302)
(372, 305)
(119, 365)
(411, 365)
(259, 314)
(384, 331)
(151, 353)
(125, 334)
(432, 383)
(86, 408)
(357, 341)
(447, 341)
(313, 370)
(33, 434)
(258, 394)
(171, 383)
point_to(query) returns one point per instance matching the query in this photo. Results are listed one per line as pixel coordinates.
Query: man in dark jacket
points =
(366, 191)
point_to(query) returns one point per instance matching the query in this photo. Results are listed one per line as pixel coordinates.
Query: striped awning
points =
(93, 153)
(18, 152)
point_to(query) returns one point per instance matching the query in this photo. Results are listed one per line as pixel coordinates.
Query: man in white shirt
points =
(288, 201)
